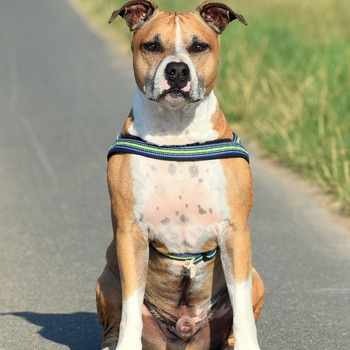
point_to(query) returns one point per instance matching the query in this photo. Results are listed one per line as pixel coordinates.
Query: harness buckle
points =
(190, 266)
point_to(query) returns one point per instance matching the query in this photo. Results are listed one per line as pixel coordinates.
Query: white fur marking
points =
(178, 39)
(169, 203)
(244, 323)
(131, 322)
(155, 123)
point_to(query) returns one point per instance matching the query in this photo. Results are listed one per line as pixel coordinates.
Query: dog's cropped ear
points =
(218, 15)
(135, 13)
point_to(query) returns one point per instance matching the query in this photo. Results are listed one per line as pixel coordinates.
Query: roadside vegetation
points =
(284, 79)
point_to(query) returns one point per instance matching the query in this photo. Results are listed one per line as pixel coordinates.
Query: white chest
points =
(180, 204)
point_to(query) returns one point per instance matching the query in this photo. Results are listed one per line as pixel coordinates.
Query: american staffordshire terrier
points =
(179, 272)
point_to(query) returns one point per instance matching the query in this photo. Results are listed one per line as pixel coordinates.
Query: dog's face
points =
(175, 55)
(175, 58)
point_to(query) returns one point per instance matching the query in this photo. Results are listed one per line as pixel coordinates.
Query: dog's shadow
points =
(77, 331)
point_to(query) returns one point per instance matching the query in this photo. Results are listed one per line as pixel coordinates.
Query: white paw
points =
(129, 346)
(245, 346)
(112, 347)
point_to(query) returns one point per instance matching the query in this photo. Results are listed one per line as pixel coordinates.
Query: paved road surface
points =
(63, 96)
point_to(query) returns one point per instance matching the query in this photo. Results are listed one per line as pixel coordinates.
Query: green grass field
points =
(285, 80)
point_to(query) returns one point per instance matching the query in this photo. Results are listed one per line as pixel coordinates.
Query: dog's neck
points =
(163, 125)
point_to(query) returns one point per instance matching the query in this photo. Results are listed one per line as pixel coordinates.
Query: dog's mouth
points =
(175, 96)
(175, 93)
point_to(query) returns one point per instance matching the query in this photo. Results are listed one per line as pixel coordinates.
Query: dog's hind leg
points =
(109, 304)
(257, 294)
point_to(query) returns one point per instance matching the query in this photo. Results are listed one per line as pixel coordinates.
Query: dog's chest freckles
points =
(179, 203)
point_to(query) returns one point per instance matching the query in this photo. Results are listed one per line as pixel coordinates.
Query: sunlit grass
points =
(286, 80)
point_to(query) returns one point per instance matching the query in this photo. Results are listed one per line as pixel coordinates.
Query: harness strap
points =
(199, 151)
(197, 257)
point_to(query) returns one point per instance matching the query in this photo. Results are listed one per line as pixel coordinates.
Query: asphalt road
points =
(63, 96)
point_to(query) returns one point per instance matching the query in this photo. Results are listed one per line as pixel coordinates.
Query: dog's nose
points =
(177, 74)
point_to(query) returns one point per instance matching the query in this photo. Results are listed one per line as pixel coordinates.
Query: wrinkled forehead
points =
(177, 29)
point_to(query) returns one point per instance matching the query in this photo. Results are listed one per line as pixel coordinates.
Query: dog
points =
(179, 271)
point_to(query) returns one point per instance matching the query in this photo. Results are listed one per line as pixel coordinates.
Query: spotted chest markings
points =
(181, 205)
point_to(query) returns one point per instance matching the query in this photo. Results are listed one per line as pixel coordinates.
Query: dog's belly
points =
(181, 205)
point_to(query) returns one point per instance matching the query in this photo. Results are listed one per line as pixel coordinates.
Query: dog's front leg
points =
(131, 246)
(238, 275)
(132, 250)
(235, 247)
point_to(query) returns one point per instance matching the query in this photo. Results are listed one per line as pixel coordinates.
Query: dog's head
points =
(175, 54)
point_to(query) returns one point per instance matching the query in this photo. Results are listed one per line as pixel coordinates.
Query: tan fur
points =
(130, 242)
(221, 125)
(240, 198)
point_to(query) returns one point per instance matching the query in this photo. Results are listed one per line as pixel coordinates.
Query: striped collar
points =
(189, 260)
(198, 151)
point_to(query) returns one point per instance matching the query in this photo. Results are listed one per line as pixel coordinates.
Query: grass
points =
(285, 79)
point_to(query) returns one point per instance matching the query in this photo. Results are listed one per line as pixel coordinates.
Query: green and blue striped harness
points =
(216, 149)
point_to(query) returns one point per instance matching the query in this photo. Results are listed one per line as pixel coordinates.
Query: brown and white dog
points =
(146, 299)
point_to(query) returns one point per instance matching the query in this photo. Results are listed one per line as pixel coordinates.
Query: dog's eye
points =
(197, 47)
(152, 47)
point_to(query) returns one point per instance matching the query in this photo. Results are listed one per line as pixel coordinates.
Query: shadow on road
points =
(78, 331)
